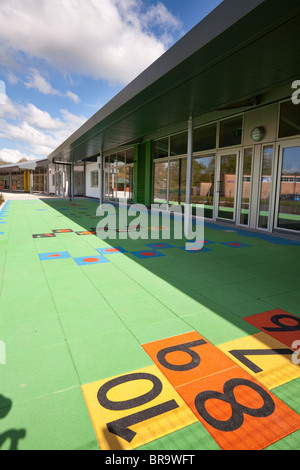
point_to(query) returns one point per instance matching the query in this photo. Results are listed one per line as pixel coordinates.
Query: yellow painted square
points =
(140, 398)
(276, 369)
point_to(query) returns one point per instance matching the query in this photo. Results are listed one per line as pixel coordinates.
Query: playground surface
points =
(140, 344)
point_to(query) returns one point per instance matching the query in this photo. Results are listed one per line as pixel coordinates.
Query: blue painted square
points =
(159, 246)
(198, 248)
(54, 256)
(88, 260)
(147, 254)
(111, 250)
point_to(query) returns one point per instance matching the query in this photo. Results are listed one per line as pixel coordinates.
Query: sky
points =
(62, 60)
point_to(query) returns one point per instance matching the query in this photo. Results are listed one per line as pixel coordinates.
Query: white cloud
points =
(8, 110)
(14, 155)
(37, 81)
(40, 119)
(73, 97)
(35, 131)
(106, 39)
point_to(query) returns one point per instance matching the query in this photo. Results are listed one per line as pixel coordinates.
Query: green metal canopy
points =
(238, 52)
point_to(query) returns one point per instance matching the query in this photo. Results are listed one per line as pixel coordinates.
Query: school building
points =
(213, 121)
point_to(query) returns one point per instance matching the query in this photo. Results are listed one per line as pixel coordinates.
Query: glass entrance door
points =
(288, 200)
(226, 185)
(266, 189)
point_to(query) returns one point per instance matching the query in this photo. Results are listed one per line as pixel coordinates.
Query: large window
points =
(118, 176)
(18, 181)
(4, 181)
(289, 198)
(40, 180)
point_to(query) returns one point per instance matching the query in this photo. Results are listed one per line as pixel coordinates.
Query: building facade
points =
(214, 121)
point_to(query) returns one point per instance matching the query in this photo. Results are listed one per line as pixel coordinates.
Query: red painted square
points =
(279, 324)
(148, 253)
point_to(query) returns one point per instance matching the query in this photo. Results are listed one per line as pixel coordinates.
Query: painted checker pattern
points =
(144, 344)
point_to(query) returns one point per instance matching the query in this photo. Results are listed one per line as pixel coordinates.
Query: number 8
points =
(238, 410)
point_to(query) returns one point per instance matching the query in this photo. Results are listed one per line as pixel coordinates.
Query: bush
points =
(2, 200)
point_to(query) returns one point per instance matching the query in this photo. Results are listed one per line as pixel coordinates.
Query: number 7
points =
(241, 354)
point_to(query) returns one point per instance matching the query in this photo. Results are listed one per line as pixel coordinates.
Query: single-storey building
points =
(214, 121)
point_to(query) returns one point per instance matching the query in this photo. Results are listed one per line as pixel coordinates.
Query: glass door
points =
(226, 185)
(266, 197)
(288, 197)
(245, 184)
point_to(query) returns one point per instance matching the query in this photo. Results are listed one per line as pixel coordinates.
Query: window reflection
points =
(246, 187)
(289, 199)
(203, 180)
(266, 183)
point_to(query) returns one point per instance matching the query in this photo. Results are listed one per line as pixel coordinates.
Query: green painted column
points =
(143, 157)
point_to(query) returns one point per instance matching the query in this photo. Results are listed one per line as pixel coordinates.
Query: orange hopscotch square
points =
(186, 358)
(279, 324)
(238, 412)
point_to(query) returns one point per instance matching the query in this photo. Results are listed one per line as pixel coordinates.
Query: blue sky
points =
(62, 60)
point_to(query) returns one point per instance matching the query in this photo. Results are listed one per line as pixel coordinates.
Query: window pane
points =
(289, 201)
(94, 179)
(227, 187)
(205, 138)
(246, 187)
(121, 158)
(174, 182)
(289, 119)
(182, 181)
(113, 177)
(121, 181)
(106, 178)
(160, 182)
(129, 183)
(203, 180)
(161, 148)
(178, 144)
(231, 132)
(266, 182)
(130, 155)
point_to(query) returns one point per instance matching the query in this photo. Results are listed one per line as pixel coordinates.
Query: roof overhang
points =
(238, 52)
(24, 166)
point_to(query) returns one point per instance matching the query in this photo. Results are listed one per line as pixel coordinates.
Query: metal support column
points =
(189, 167)
(100, 167)
(31, 182)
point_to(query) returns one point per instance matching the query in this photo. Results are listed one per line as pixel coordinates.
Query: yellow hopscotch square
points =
(132, 409)
(263, 357)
